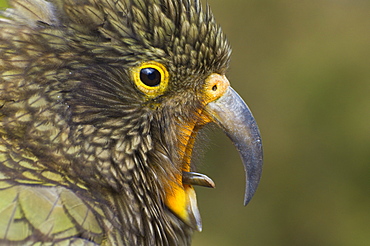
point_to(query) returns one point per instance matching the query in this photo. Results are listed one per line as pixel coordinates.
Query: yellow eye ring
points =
(151, 78)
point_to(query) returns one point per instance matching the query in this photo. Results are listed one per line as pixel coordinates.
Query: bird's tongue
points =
(192, 178)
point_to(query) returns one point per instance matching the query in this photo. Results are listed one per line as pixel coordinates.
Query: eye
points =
(151, 78)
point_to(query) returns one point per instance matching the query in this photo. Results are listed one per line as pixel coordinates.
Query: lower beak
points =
(232, 114)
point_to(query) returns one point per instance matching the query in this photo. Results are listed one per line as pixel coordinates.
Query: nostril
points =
(215, 85)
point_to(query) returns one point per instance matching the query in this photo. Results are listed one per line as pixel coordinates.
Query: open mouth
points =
(189, 177)
(181, 197)
(226, 108)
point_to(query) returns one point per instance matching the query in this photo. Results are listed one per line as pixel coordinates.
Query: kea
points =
(101, 102)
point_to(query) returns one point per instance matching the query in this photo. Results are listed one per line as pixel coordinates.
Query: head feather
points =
(133, 30)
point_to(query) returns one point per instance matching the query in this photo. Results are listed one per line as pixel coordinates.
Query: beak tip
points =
(253, 176)
(248, 196)
(246, 201)
(249, 193)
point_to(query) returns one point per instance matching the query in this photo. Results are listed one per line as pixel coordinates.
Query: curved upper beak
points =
(232, 114)
(225, 107)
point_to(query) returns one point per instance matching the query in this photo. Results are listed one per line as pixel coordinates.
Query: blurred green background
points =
(303, 67)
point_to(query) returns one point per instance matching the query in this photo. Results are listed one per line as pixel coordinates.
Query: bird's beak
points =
(232, 114)
(222, 105)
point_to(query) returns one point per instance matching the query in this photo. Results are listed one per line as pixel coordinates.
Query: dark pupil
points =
(150, 76)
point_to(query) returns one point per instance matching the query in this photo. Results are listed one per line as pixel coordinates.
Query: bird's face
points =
(181, 106)
(192, 102)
